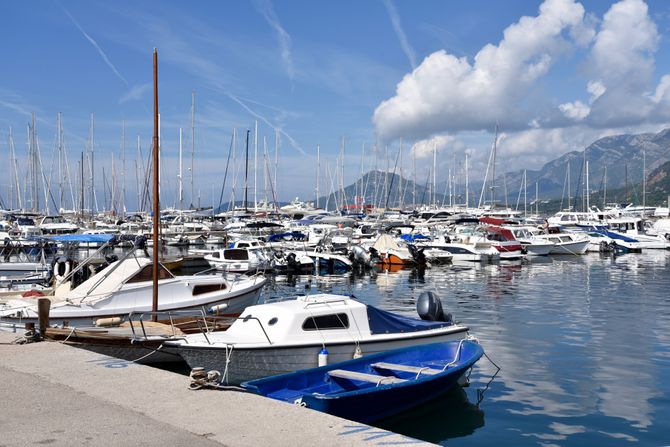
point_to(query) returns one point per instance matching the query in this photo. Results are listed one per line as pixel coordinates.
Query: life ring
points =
(62, 270)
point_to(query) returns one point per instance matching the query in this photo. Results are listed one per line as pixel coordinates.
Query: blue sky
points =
(556, 75)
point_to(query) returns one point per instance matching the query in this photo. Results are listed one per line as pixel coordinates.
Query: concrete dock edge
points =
(55, 394)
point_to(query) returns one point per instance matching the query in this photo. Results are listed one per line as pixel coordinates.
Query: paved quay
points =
(59, 395)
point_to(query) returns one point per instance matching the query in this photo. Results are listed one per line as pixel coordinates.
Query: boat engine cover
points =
(429, 307)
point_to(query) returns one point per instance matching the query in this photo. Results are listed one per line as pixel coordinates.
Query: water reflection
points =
(450, 416)
(583, 343)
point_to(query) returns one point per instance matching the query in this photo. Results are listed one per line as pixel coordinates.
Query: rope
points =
(147, 355)
(69, 335)
(229, 354)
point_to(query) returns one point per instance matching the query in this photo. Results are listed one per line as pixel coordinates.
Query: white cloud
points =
(402, 37)
(102, 54)
(575, 110)
(596, 89)
(135, 93)
(446, 93)
(622, 61)
(425, 148)
(267, 10)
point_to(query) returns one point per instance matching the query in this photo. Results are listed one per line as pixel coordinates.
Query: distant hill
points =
(380, 189)
(620, 156)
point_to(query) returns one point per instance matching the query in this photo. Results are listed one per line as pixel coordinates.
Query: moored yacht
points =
(125, 286)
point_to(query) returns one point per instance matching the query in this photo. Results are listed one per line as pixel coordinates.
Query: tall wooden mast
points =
(156, 202)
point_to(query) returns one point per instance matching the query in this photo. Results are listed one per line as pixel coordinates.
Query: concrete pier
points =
(54, 394)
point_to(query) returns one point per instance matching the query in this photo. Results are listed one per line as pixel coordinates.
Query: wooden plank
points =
(406, 368)
(363, 377)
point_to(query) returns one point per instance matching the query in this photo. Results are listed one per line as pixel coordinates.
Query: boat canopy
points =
(384, 322)
(94, 238)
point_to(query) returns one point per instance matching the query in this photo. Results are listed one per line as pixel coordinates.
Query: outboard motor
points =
(417, 254)
(360, 255)
(429, 307)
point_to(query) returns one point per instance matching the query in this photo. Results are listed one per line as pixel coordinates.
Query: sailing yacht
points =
(125, 285)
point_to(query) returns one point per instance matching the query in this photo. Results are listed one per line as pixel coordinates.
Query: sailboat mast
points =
(255, 165)
(467, 186)
(277, 141)
(60, 161)
(123, 169)
(318, 169)
(493, 167)
(644, 182)
(192, 142)
(414, 178)
(587, 191)
(156, 201)
(181, 170)
(246, 174)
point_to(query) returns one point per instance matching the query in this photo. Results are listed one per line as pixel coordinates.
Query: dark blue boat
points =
(377, 385)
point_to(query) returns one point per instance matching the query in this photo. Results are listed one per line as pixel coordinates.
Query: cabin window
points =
(146, 274)
(207, 288)
(216, 255)
(242, 245)
(235, 254)
(333, 321)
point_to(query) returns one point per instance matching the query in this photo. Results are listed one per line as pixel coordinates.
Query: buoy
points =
(323, 357)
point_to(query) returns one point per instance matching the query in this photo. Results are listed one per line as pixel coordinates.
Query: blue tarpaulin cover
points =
(383, 322)
(96, 238)
(413, 237)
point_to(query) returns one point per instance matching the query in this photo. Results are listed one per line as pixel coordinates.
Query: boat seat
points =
(363, 377)
(407, 368)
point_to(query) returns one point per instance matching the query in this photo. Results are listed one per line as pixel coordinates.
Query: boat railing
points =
(205, 323)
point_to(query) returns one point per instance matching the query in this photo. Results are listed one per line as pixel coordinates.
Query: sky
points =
(355, 78)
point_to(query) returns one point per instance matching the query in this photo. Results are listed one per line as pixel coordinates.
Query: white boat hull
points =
(247, 364)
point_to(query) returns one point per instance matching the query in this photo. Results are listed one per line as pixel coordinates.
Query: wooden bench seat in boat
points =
(406, 368)
(363, 377)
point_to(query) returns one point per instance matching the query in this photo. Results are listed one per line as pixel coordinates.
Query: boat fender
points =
(107, 322)
(358, 353)
(323, 357)
(218, 308)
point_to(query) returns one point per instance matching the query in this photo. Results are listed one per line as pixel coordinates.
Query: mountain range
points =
(614, 162)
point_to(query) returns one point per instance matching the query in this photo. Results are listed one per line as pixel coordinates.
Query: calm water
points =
(583, 344)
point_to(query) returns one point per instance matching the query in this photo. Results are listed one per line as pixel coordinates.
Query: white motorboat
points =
(462, 249)
(285, 336)
(125, 286)
(638, 229)
(533, 246)
(566, 243)
(244, 256)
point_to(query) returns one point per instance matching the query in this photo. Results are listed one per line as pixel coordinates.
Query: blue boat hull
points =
(368, 401)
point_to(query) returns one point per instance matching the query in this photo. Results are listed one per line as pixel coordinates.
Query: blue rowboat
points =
(377, 385)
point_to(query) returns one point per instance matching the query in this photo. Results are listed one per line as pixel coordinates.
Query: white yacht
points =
(125, 286)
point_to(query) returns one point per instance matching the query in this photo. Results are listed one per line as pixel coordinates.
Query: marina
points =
(318, 249)
(580, 342)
